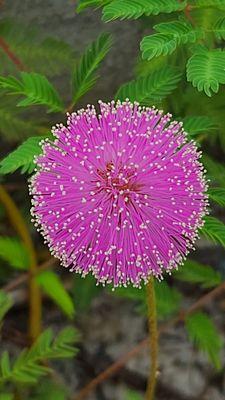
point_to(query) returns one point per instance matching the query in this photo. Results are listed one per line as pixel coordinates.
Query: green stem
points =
(20, 227)
(153, 339)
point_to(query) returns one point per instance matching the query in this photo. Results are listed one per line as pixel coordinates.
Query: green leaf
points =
(216, 170)
(83, 4)
(6, 303)
(136, 8)
(6, 396)
(84, 290)
(22, 157)
(205, 70)
(131, 395)
(14, 253)
(150, 88)
(170, 35)
(204, 334)
(53, 287)
(217, 195)
(36, 88)
(157, 45)
(84, 76)
(197, 125)
(28, 366)
(214, 229)
(5, 364)
(220, 4)
(219, 28)
(49, 390)
(195, 272)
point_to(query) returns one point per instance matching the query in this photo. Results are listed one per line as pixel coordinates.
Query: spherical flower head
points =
(120, 194)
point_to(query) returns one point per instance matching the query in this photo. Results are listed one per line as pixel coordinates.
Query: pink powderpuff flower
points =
(120, 194)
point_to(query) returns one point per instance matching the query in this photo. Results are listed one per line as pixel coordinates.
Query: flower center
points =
(121, 179)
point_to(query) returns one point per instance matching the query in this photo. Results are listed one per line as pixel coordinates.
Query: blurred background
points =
(48, 37)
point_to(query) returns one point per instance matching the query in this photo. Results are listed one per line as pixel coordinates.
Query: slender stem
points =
(34, 291)
(24, 277)
(153, 339)
(12, 56)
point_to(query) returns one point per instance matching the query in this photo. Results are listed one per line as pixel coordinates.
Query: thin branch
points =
(12, 56)
(153, 339)
(22, 278)
(116, 366)
(20, 227)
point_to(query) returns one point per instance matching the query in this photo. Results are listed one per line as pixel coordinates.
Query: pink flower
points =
(120, 194)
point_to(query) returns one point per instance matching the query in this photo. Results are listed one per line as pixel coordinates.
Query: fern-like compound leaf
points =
(214, 229)
(217, 195)
(170, 35)
(36, 88)
(205, 70)
(219, 28)
(28, 367)
(84, 76)
(150, 88)
(157, 45)
(123, 9)
(216, 170)
(205, 336)
(218, 4)
(196, 125)
(194, 272)
(22, 157)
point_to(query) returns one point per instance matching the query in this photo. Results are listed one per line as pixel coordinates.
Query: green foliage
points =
(83, 4)
(36, 88)
(217, 195)
(205, 69)
(198, 125)
(130, 395)
(6, 396)
(209, 3)
(203, 333)
(27, 368)
(195, 272)
(53, 287)
(84, 291)
(49, 390)
(84, 76)
(214, 229)
(14, 252)
(216, 170)
(170, 35)
(5, 303)
(219, 28)
(123, 9)
(150, 88)
(48, 56)
(22, 157)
